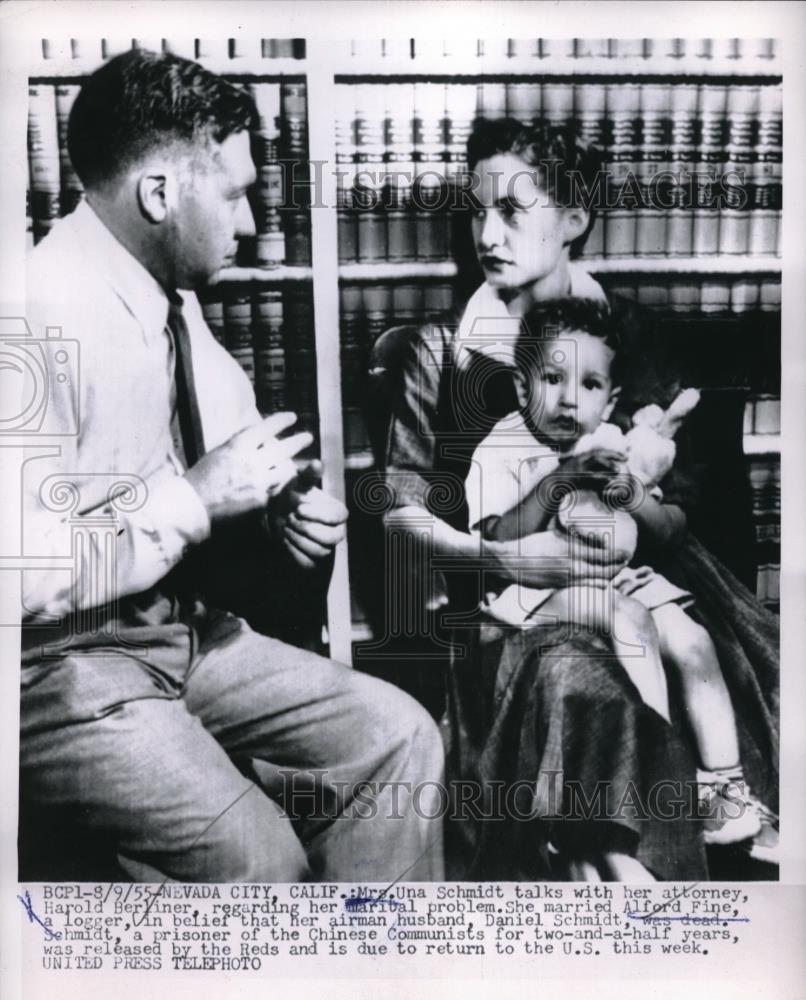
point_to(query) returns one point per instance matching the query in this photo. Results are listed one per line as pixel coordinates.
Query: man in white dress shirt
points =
(146, 716)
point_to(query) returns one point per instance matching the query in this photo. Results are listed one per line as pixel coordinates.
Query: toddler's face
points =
(569, 391)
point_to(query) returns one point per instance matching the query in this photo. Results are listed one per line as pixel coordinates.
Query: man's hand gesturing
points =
(244, 472)
(313, 526)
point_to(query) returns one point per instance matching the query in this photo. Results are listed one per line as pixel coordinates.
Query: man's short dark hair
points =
(141, 100)
(568, 169)
(549, 320)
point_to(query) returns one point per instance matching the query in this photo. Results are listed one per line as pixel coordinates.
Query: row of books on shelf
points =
(409, 215)
(649, 122)
(689, 169)
(751, 55)
(762, 415)
(280, 150)
(408, 233)
(756, 55)
(367, 309)
(96, 50)
(698, 293)
(765, 487)
(270, 333)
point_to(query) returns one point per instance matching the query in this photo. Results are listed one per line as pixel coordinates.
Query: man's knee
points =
(252, 841)
(402, 727)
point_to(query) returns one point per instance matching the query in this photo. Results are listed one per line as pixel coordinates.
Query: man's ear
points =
(575, 222)
(611, 403)
(155, 194)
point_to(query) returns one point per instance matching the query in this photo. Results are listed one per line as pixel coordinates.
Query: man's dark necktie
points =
(187, 405)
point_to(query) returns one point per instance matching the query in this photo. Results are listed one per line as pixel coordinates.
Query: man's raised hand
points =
(244, 472)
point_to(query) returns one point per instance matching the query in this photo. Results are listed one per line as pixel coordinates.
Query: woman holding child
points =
(578, 752)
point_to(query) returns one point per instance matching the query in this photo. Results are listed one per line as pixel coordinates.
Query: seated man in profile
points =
(134, 725)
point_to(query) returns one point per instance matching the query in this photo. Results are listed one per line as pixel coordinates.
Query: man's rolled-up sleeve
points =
(94, 557)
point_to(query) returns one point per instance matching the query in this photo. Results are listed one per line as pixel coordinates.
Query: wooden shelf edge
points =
(359, 461)
(705, 266)
(397, 271)
(502, 65)
(738, 264)
(762, 444)
(264, 275)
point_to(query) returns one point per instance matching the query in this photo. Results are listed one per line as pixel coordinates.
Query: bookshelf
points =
(361, 267)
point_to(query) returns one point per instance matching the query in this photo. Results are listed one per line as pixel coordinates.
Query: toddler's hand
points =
(590, 519)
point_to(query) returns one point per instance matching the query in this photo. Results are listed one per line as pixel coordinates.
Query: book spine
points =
(270, 367)
(43, 158)
(765, 491)
(439, 302)
(297, 233)
(400, 172)
(590, 114)
(354, 364)
(766, 175)
(430, 192)
(460, 110)
(491, 100)
(734, 220)
(711, 156)
(524, 102)
(651, 224)
(654, 293)
(770, 295)
(624, 195)
(300, 357)
(71, 188)
(267, 101)
(294, 130)
(238, 331)
(408, 305)
(737, 192)
(558, 103)
(213, 312)
(685, 295)
(377, 300)
(346, 154)
(592, 125)
(371, 174)
(714, 295)
(682, 170)
(270, 240)
(744, 295)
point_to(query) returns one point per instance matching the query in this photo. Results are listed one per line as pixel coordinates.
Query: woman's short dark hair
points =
(548, 320)
(140, 100)
(569, 169)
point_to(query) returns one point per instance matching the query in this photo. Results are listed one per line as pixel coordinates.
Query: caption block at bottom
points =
(236, 928)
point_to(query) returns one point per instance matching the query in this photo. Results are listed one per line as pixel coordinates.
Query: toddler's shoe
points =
(730, 814)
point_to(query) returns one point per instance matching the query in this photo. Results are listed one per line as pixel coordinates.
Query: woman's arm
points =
(527, 517)
(537, 560)
(659, 524)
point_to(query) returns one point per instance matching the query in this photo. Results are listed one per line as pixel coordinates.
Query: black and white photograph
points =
(392, 439)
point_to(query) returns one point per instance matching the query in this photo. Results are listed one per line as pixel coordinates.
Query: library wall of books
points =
(388, 245)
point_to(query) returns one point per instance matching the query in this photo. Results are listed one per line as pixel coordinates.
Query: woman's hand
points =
(551, 559)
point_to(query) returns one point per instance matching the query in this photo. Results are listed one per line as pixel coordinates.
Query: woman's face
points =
(520, 235)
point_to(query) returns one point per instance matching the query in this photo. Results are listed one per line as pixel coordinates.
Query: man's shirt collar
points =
(140, 292)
